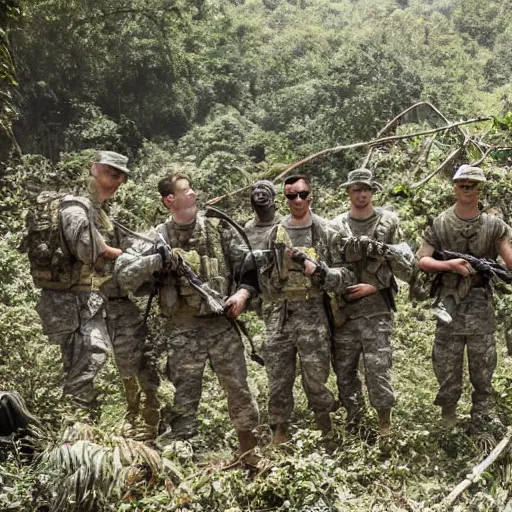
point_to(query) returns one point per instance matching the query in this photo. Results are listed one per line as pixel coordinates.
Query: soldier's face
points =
(466, 191)
(360, 195)
(299, 198)
(107, 180)
(262, 197)
(184, 196)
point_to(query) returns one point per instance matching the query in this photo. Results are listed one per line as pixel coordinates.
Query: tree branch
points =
(478, 470)
(356, 145)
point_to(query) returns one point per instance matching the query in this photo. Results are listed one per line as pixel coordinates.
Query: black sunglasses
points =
(303, 194)
(467, 187)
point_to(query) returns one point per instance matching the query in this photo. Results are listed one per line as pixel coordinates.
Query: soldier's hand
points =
(111, 253)
(165, 253)
(309, 268)
(461, 266)
(235, 304)
(358, 291)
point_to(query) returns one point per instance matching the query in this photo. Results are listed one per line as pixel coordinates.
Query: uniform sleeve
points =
(133, 269)
(501, 230)
(82, 239)
(239, 262)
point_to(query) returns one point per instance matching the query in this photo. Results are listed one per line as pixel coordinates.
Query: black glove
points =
(320, 274)
(165, 253)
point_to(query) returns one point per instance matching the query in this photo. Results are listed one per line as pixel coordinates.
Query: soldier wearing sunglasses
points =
(465, 229)
(296, 319)
(367, 315)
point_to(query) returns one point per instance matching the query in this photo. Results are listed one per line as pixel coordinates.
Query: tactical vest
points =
(478, 238)
(204, 254)
(52, 265)
(285, 279)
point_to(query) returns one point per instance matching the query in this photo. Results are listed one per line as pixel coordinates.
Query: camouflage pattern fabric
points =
(472, 327)
(297, 329)
(473, 321)
(369, 321)
(369, 339)
(127, 332)
(189, 349)
(195, 335)
(76, 322)
(383, 226)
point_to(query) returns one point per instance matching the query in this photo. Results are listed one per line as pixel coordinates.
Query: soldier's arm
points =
(134, 269)
(505, 251)
(428, 263)
(238, 260)
(83, 240)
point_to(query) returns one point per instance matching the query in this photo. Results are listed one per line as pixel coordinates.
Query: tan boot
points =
(384, 416)
(151, 415)
(248, 442)
(448, 416)
(323, 422)
(132, 395)
(280, 433)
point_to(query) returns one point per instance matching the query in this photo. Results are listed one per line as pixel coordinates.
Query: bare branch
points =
(478, 470)
(454, 154)
(356, 145)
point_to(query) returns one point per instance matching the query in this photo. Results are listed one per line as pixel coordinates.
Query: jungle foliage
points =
(229, 92)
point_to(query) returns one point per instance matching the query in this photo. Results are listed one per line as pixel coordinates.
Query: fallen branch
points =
(356, 145)
(454, 154)
(395, 120)
(478, 470)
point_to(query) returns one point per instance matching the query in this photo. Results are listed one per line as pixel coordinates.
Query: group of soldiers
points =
(324, 289)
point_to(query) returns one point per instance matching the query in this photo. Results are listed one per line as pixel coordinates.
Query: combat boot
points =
(248, 442)
(448, 416)
(280, 431)
(132, 395)
(323, 422)
(151, 415)
(384, 416)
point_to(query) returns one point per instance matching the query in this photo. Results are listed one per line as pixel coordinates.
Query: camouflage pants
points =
(472, 327)
(189, 348)
(369, 337)
(127, 332)
(297, 329)
(77, 322)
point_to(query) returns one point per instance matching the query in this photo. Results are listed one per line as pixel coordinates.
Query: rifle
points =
(214, 300)
(487, 268)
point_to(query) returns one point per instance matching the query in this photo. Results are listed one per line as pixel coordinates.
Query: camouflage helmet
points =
(361, 176)
(468, 172)
(112, 159)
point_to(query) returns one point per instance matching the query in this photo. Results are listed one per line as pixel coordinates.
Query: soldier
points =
(465, 229)
(367, 312)
(196, 334)
(297, 323)
(128, 332)
(71, 307)
(263, 202)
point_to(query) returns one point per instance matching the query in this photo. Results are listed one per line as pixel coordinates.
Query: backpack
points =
(50, 259)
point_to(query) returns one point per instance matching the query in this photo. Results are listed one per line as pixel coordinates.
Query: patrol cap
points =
(267, 185)
(112, 159)
(467, 172)
(361, 176)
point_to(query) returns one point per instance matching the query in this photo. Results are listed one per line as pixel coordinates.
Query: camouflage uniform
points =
(297, 325)
(74, 315)
(368, 322)
(128, 333)
(473, 320)
(196, 334)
